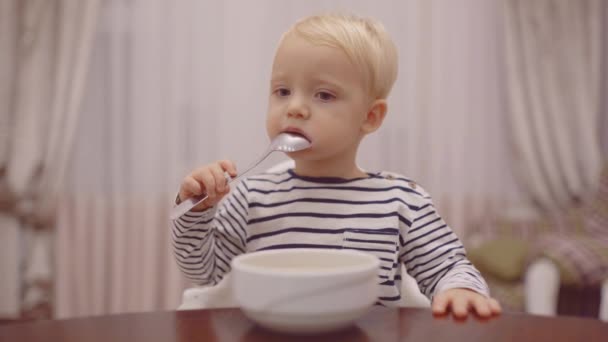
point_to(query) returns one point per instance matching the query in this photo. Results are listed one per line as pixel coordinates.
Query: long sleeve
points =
(434, 255)
(204, 243)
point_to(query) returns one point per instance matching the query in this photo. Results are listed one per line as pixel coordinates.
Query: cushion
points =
(503, 258)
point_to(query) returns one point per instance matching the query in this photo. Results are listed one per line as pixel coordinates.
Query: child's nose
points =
(298, 109)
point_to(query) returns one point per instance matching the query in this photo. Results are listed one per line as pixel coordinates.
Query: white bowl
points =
(305, 290)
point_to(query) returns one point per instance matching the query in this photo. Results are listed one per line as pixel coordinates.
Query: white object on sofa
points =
(604, 302)
(542, 290)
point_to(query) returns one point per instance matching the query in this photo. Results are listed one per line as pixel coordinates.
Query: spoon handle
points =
(186, 205)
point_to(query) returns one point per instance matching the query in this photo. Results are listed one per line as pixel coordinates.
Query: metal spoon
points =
(284, 142)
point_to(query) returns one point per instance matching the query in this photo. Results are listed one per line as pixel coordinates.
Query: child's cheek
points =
(272, 125)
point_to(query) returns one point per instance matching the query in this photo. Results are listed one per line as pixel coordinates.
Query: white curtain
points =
(45, 48)
(554, 50)
(175, 84)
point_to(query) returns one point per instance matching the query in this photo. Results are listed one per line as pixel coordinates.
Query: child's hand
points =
(461, 301)
(208, 179)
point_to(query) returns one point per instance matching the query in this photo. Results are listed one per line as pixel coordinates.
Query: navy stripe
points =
(296, 230)
(419, 273)
(371, 249)
(432, 276)
(425, 215)
(404, 220)
(425, 206)
(198, 238)
(332, 180)
(265, 180)
(192, 230)
(331, 200)
(221, 269)
(424, 235)
(376, 231)
(193, 262)
(372, 241)
(194, 214)
(219, 257)
(195, 219)
(241, 239)
(237, 224)
(241, 215)
(227, 249)
(178, 249)
(185, 228)
(319, 215)
(181, 243)
(239, 201)
(299, 245)
(429, 242)
(424, 225)
(341, 188)
(434, 283)
(401, 241)
(426, 253)
(229, 239)
(380, 231)
(410, 270)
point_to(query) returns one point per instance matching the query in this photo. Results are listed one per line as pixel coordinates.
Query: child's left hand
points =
(461, 301)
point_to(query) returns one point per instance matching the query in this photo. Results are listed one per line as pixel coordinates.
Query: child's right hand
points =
(208, 179)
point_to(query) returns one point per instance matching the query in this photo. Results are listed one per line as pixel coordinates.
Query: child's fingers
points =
(460, 306)
(220, 179)
(440, 304)
(205, 176)
(228, 166)
(481, 306)
(191, 187)
(494, 306)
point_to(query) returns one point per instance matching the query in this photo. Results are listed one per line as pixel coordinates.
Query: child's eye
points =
(325, 96)
(283, 92)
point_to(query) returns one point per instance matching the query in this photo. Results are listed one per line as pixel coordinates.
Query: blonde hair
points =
(364, 40)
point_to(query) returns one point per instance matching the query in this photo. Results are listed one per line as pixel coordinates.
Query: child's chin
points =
(301, 155)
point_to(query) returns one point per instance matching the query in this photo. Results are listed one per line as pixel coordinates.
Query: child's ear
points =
(374, 116)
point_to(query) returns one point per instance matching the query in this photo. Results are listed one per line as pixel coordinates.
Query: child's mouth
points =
(298, 132)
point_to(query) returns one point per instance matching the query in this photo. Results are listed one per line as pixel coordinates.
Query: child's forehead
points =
(298, 58)
(294, 48)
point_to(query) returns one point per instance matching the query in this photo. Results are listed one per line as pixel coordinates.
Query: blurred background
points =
(499, 111)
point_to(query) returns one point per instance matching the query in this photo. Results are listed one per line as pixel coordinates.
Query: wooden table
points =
(380, 324)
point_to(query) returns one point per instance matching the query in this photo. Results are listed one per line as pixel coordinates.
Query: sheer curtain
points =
(554, 59)
(175, 84)
(45, 47)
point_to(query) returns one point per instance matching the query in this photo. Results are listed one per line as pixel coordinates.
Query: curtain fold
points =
(45, 52)
(553, 60)
(9, 225)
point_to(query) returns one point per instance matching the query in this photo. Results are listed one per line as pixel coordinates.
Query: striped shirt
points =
(383, 214)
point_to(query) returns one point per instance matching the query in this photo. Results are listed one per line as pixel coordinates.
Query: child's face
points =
(318, 92)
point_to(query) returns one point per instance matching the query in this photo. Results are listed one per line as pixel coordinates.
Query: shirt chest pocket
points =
(383, 243)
